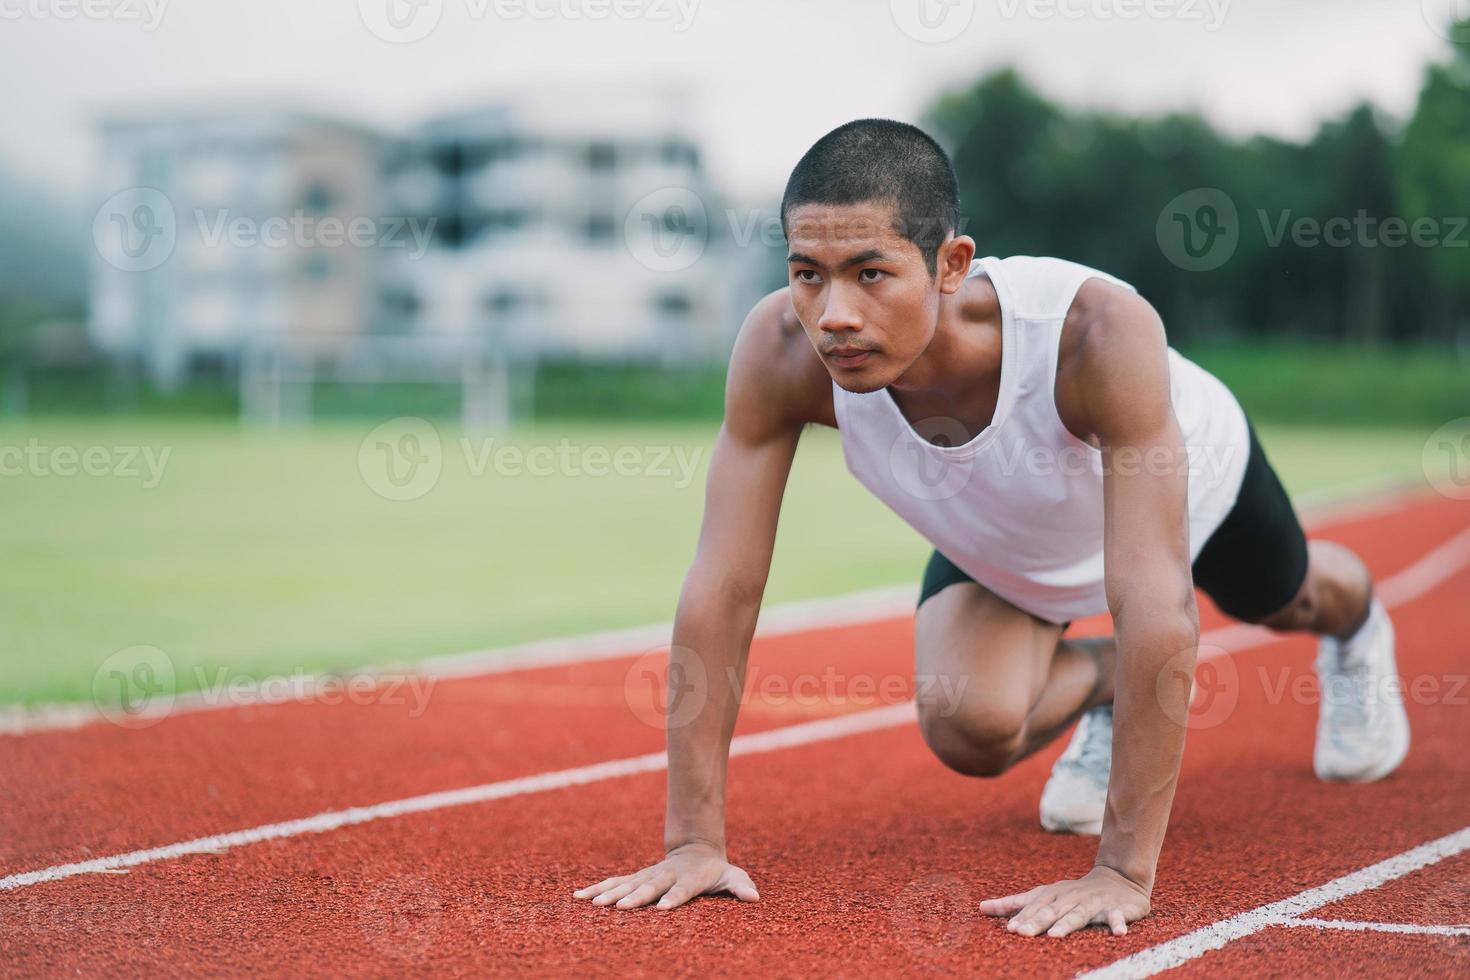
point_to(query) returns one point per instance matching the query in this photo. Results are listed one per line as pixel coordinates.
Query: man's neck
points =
(958, 375)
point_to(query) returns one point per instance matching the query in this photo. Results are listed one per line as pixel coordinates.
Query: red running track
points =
(870, 856)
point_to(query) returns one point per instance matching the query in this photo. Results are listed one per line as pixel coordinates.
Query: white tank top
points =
(1019, 507)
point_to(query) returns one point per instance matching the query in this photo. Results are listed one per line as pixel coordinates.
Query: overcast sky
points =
(768, 76)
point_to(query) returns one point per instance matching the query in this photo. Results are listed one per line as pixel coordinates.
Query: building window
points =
(504, 148)
(318, 267)
(450, 231)
(601, 229)
(400, 307)
(675, 152)
(476, 156)
(504, 302)
(318, 198)
(508, 219)
(602, 156)
(449, 159)
(676, 221)
(673, 305)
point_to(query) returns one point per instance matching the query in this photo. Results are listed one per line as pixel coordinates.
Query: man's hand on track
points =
(1103, 897)
(687, 872)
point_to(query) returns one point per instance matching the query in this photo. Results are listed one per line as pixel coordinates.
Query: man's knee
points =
(1336, 580)
(974, 740)
(965, 633)
(1298, 614)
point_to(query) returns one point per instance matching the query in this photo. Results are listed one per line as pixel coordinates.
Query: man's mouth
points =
(849, 357)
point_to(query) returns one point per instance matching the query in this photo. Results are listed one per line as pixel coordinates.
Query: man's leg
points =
(996, 683)
(1334, 599)
(1362, 727)
(1259, 567)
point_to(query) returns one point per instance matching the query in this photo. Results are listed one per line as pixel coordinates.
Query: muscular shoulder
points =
(775, 379)
(1112, 363)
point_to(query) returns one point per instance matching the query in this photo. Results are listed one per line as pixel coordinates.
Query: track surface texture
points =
(870, 856)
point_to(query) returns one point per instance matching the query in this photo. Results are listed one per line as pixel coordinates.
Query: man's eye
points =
(806, 276)
(870, 275)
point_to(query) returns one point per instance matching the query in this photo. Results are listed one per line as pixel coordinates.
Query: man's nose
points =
(840, 313)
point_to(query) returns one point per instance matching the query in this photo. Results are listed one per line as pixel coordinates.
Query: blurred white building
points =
(212, 233)
(555, 224)
(565, 223)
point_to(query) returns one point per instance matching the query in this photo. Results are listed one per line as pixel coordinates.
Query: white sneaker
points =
(1076, 795)
(1362, 728)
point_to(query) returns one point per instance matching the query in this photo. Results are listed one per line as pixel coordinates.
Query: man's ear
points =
(953, 261)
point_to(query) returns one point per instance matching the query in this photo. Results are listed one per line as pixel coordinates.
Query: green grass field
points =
(272, 553)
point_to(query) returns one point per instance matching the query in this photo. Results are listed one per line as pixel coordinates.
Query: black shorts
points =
(1254, 563)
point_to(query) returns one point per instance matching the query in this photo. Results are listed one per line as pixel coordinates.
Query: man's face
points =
(862, 292)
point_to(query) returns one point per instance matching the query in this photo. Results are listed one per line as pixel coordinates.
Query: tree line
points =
(1358, 235)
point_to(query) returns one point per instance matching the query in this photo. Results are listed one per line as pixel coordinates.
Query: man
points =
(1027, 416)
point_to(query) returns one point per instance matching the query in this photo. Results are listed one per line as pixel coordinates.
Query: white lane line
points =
(890, 716)
(1228, 639)
(1225, 640)
(780, 619)
(1176, 952)
(1427, 572)
(1407, 928)
(827, 729)
(1353, 503)
(1411, 583)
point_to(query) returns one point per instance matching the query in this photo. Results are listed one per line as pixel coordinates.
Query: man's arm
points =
(1115, 391)
(1150, 585)
(771, 391)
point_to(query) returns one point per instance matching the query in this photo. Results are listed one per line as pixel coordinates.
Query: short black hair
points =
(882, 160)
